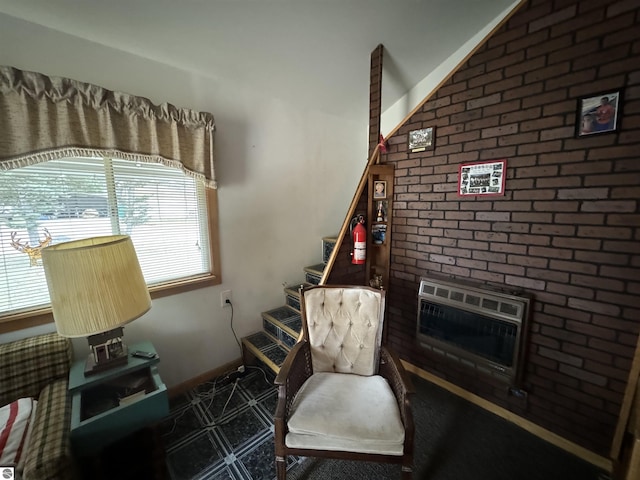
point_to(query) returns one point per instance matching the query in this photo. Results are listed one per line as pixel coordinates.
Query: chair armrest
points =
(29, 364)
(295, 370)
(393, 371)
(49, 455)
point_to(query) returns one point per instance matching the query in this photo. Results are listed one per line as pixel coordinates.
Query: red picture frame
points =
(482, 178)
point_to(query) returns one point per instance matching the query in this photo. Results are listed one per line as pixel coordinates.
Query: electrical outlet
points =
(224, 296)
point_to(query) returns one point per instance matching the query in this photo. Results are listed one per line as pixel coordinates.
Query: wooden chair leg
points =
(281, 467)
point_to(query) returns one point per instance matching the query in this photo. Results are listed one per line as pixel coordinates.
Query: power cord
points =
(264, 375)
(200, 396)
(235, 385)
(210, 393)
(232, 329)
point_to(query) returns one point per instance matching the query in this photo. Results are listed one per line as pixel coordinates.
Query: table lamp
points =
(96, 286)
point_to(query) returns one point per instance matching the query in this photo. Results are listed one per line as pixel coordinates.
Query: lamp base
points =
(107, 351)
(91, 367)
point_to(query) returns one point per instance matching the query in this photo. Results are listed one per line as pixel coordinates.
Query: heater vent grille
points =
(479, 328)
(508, 306)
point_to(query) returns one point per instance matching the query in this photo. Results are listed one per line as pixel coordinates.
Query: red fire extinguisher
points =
(359, 236)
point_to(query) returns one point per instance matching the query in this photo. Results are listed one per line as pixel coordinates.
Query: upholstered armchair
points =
(341, 394)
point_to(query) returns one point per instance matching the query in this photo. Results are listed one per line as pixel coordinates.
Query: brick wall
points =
(567, 229)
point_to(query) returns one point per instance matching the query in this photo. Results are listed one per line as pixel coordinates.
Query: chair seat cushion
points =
(346, 412)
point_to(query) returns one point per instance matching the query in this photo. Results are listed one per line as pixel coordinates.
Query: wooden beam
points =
(375, 98)
(627, 402)
(529, 426)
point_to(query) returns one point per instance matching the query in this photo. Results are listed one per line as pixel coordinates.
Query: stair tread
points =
(260, 340)
(286, 318)
(294, 288)
(267, 350)
(282, 325)
(317, 268)
(282, 313)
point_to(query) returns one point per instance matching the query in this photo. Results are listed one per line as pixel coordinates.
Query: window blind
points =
(161, 208)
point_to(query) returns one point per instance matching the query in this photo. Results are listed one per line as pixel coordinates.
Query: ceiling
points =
(311, 52)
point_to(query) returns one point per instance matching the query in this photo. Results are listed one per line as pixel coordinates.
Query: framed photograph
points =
(598, 113)
(482, 178)
(421, 140)
(379, 189)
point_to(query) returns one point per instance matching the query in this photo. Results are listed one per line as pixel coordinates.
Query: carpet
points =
(226, 433)
(456, 440)
(140, 455)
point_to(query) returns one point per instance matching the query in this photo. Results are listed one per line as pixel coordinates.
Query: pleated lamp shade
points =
(95, 284)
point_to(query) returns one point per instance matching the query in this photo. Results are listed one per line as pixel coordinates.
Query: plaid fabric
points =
(38, 367)
(29, 364)
(49, 454)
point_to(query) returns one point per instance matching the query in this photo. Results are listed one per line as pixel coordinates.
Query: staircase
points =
(281, 326)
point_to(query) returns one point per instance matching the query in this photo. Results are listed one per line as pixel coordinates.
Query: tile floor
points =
(221, 433)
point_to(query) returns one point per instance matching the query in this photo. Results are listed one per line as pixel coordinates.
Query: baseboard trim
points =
(553, 438)
(204, 377)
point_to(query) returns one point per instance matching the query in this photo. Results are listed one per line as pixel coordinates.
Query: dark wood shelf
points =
(379, 254)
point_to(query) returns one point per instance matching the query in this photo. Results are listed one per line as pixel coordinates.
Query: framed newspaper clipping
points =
(482, 178)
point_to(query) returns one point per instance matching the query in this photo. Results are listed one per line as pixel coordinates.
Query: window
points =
(165, 212)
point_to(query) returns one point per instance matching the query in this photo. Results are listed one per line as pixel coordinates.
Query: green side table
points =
(110, 405)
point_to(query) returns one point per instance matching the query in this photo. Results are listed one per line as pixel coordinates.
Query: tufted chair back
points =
(344, 327)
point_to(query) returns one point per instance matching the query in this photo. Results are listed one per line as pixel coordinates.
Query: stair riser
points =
(283, 323)
(293, 301)
(292, 295)
(327, 247)
(312, 278)
(284, 337)
(265, 350)
(281, 326)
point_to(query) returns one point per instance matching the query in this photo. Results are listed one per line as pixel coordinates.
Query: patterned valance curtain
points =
(44, 118)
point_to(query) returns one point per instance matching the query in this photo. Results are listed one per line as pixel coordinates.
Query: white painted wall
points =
(286, 177)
